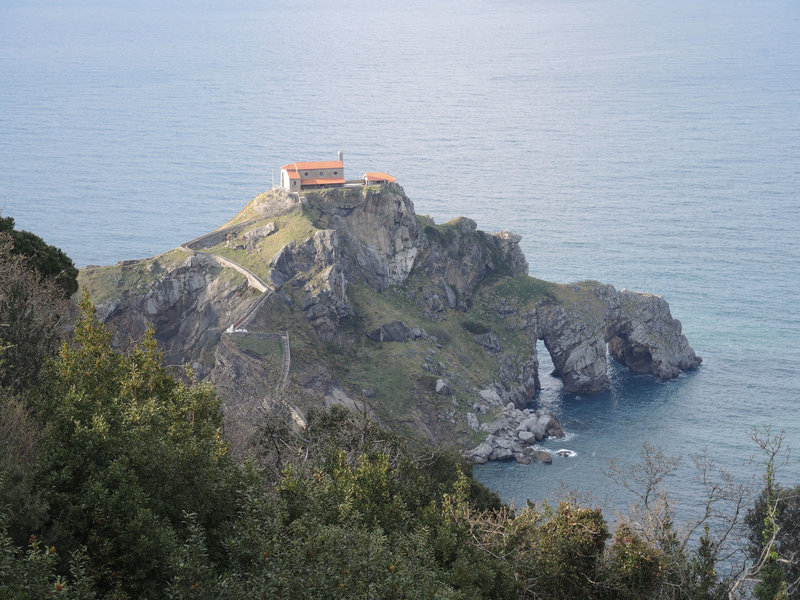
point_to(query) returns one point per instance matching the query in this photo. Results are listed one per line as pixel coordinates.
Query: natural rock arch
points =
(636, 329)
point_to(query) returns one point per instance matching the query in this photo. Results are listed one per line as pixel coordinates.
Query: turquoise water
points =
(654, 146)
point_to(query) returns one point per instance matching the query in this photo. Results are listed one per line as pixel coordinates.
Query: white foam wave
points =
(565, 452)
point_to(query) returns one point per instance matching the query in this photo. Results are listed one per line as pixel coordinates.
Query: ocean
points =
(654, 146)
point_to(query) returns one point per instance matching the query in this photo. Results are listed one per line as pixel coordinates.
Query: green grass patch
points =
(289, 318)
(525, 289)
(427, 382)
(269, 352)
(466, 361)
(230, 276)
(108, 283)
(474, 327)
(374, 308)
(392, 372)
(424, 221)
(441, 334)
(579, 298)
(444, 235)
(265, 347)
(294, 227)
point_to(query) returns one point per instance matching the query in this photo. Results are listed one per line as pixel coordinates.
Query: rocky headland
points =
(346, 296)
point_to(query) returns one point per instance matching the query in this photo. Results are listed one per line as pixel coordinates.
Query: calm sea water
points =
(651, 145)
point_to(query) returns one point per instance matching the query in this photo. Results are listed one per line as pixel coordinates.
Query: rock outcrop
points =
(339, 272)
(188, 306)
(396, 331)
(315, 265)
(512, 435)
(458, 257)
(647, 339)
(378, 232)
(638, 328)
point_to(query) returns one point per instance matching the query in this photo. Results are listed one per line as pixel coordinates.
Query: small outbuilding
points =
(378, 178)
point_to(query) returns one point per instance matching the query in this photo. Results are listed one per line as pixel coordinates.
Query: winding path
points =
(238, 327)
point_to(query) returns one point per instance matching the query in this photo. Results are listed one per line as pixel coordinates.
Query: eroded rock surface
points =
(378, 233)
(188, 307)
(647, 339)
(315, 264)
(467, 352)
(638, 328)
(395, 331)
(458, 257)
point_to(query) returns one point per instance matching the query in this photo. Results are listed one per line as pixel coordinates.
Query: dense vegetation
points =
(116, 482)
(48, 261)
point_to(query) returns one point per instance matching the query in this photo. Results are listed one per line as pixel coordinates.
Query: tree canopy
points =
(33, 318)
(50, 262)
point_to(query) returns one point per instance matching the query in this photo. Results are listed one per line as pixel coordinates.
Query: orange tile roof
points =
(308, 166)
(322, 181)
(379, 177)
(293, 174)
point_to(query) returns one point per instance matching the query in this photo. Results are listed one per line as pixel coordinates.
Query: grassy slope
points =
(247, 213)
(270, 352)
(107, 283)
(294, 227)
(393, 371)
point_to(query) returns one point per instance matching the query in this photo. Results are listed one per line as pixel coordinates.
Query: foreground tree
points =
(773, 526)
(122, 473)
(33, 319)
(653, 555)
(128, 450)
(48, 261)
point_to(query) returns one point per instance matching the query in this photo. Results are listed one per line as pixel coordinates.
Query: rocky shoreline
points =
(513, 434)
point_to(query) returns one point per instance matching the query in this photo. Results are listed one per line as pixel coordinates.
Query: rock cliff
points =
(433, 328)
(637, 329)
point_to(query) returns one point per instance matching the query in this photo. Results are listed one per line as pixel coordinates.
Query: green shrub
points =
(440, 334)
(475, 327)
(50, 262)
(31, 574)
(633, 563)
(129, 449)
